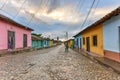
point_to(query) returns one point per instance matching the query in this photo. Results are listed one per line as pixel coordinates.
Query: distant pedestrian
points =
(66, 46)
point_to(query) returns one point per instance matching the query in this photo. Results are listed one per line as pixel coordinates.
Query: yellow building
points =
(93, 39)
(51, 42)
(70, 43)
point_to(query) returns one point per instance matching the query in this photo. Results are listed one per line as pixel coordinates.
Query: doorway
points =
(88, 44)
(24, 40)
(11, 40)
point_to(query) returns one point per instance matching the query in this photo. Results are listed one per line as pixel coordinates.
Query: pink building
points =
(13, 35)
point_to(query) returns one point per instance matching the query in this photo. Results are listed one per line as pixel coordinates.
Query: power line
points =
(3, 4)
(33, 15)
(76, 7)
(43, 8)
(80, 6)
(38, 11)
(87, 14)
(20, 9)
(8, 12)
(1, 8)
(94, 10)
(97, 3)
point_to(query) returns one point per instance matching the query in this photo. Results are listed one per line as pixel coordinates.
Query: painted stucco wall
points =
(70, 43)
(95, 30)
(46, 43)
(111, 34)
(34, 43)
(37, 43)
(75, 40)
(51, 43)
(4, 27)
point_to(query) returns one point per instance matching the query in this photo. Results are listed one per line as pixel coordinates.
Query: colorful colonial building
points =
(70, 43)
(103, 36)
(111, 35)
(93, 39)
(40, 42)
(51, 42)
(37, 42)
(78, 42)
(13, 35)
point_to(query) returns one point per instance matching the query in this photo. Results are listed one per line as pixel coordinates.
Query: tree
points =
(39, 35)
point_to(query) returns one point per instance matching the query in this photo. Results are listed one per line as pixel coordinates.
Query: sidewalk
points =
(15, 51)
(22, 50)
(111, 64)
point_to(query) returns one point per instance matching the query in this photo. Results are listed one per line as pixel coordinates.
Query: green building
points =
(37, 42)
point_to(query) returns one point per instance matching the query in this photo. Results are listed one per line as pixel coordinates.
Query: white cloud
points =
(66, 13)
(61, 14)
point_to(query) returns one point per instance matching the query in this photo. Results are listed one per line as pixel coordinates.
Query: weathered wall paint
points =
(111, 34)
(90, 32)
(4, 27)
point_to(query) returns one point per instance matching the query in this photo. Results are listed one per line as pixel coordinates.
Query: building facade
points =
(93, 39)
(70, 43)
(51, 43)
(103, 36)
(46, 42)
(111, 31)
(40, 42)
(37, 42)
(13, 35)
(78, 42)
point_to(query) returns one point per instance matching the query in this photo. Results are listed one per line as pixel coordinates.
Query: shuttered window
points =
(95, 40)
(83, 41)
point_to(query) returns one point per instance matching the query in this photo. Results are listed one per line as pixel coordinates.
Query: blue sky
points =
(54, 17)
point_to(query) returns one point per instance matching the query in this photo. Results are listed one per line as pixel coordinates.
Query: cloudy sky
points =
(53, 18)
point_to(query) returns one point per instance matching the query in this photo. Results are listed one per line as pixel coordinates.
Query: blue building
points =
(78, 41)
(46, 42)
(111, 35)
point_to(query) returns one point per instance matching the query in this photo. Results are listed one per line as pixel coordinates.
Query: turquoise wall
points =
(40, 43)
(37, 44)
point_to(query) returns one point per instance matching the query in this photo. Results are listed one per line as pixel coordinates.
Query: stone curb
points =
(24, 50)
(95, 59)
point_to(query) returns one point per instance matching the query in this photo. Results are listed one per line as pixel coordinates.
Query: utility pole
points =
(66, 43)
(66, 36)
(57, 40)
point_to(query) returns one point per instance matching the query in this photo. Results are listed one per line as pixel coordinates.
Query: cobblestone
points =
(53, 64)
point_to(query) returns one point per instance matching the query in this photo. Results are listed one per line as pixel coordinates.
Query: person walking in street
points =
(66, 46)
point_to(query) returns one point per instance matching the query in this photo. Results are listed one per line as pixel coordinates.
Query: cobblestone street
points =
(53, 64)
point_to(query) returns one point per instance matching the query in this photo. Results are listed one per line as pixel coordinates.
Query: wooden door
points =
(11, 40)
(24, 40)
